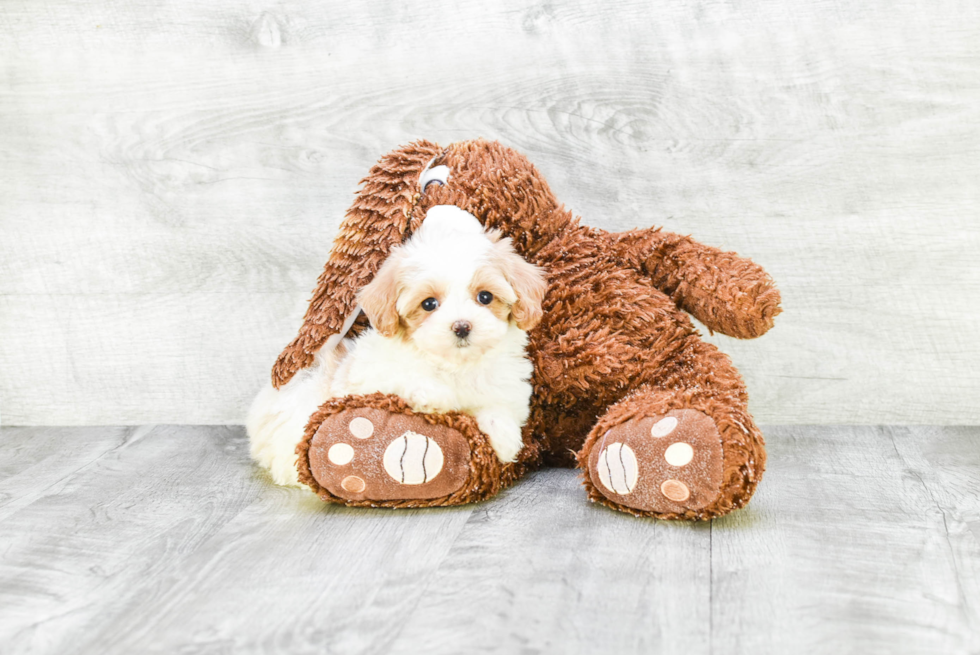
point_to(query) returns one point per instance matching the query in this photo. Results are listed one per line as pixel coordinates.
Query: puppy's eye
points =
(430, 304)
(485, 297)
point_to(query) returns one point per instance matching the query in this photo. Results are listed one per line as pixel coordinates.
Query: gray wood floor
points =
(166, 539)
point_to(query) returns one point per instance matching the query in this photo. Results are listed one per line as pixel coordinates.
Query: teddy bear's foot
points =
(375, 455)
(669, 464)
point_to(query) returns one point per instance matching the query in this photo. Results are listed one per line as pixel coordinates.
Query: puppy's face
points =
(454, 297)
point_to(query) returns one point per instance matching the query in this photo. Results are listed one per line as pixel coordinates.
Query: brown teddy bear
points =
(624, 388)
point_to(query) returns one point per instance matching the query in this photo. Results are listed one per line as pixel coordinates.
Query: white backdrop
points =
(171, 178)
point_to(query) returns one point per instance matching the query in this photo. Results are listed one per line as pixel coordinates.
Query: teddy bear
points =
(624, 388)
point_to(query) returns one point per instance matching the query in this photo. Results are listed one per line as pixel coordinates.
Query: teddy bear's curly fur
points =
(624, 387)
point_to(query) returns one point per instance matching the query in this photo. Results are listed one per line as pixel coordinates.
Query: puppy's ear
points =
(528, 282)
(494, 235)
(378, 299)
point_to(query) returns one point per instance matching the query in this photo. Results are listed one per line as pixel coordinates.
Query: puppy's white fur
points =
(416, 354)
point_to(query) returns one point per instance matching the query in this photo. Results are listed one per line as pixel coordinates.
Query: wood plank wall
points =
(172, 174)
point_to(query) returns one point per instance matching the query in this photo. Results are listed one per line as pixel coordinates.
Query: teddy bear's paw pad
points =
(373, 454)
(666, 464)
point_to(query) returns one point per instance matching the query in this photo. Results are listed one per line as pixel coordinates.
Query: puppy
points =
(449, 311)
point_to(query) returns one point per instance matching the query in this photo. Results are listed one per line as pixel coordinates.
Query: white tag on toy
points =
(334, 339)
(438, 175)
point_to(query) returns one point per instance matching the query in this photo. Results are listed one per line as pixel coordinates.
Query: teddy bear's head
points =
(498, 186)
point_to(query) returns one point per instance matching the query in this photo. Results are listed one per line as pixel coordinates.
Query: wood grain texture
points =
(166, 539)
(171, 176)
(557, 574)
(176, 535)
(859, 540)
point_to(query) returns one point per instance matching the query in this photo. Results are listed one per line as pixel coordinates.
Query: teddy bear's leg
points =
(375, 451)
(684, 448)
(729, 294)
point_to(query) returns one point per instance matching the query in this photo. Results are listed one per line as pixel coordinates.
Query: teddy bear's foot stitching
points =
(670, 463)
(371, 454)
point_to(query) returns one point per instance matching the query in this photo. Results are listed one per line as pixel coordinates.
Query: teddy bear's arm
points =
(375, 222)
(728, 293)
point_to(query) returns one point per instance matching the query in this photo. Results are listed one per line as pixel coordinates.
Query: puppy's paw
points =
(431, 399)
(503, 432)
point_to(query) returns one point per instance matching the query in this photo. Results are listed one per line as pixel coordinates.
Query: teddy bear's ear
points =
(528, 282)
(379, 298)
(375, 223)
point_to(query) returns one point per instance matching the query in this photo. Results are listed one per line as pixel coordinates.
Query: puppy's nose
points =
(462, 328)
